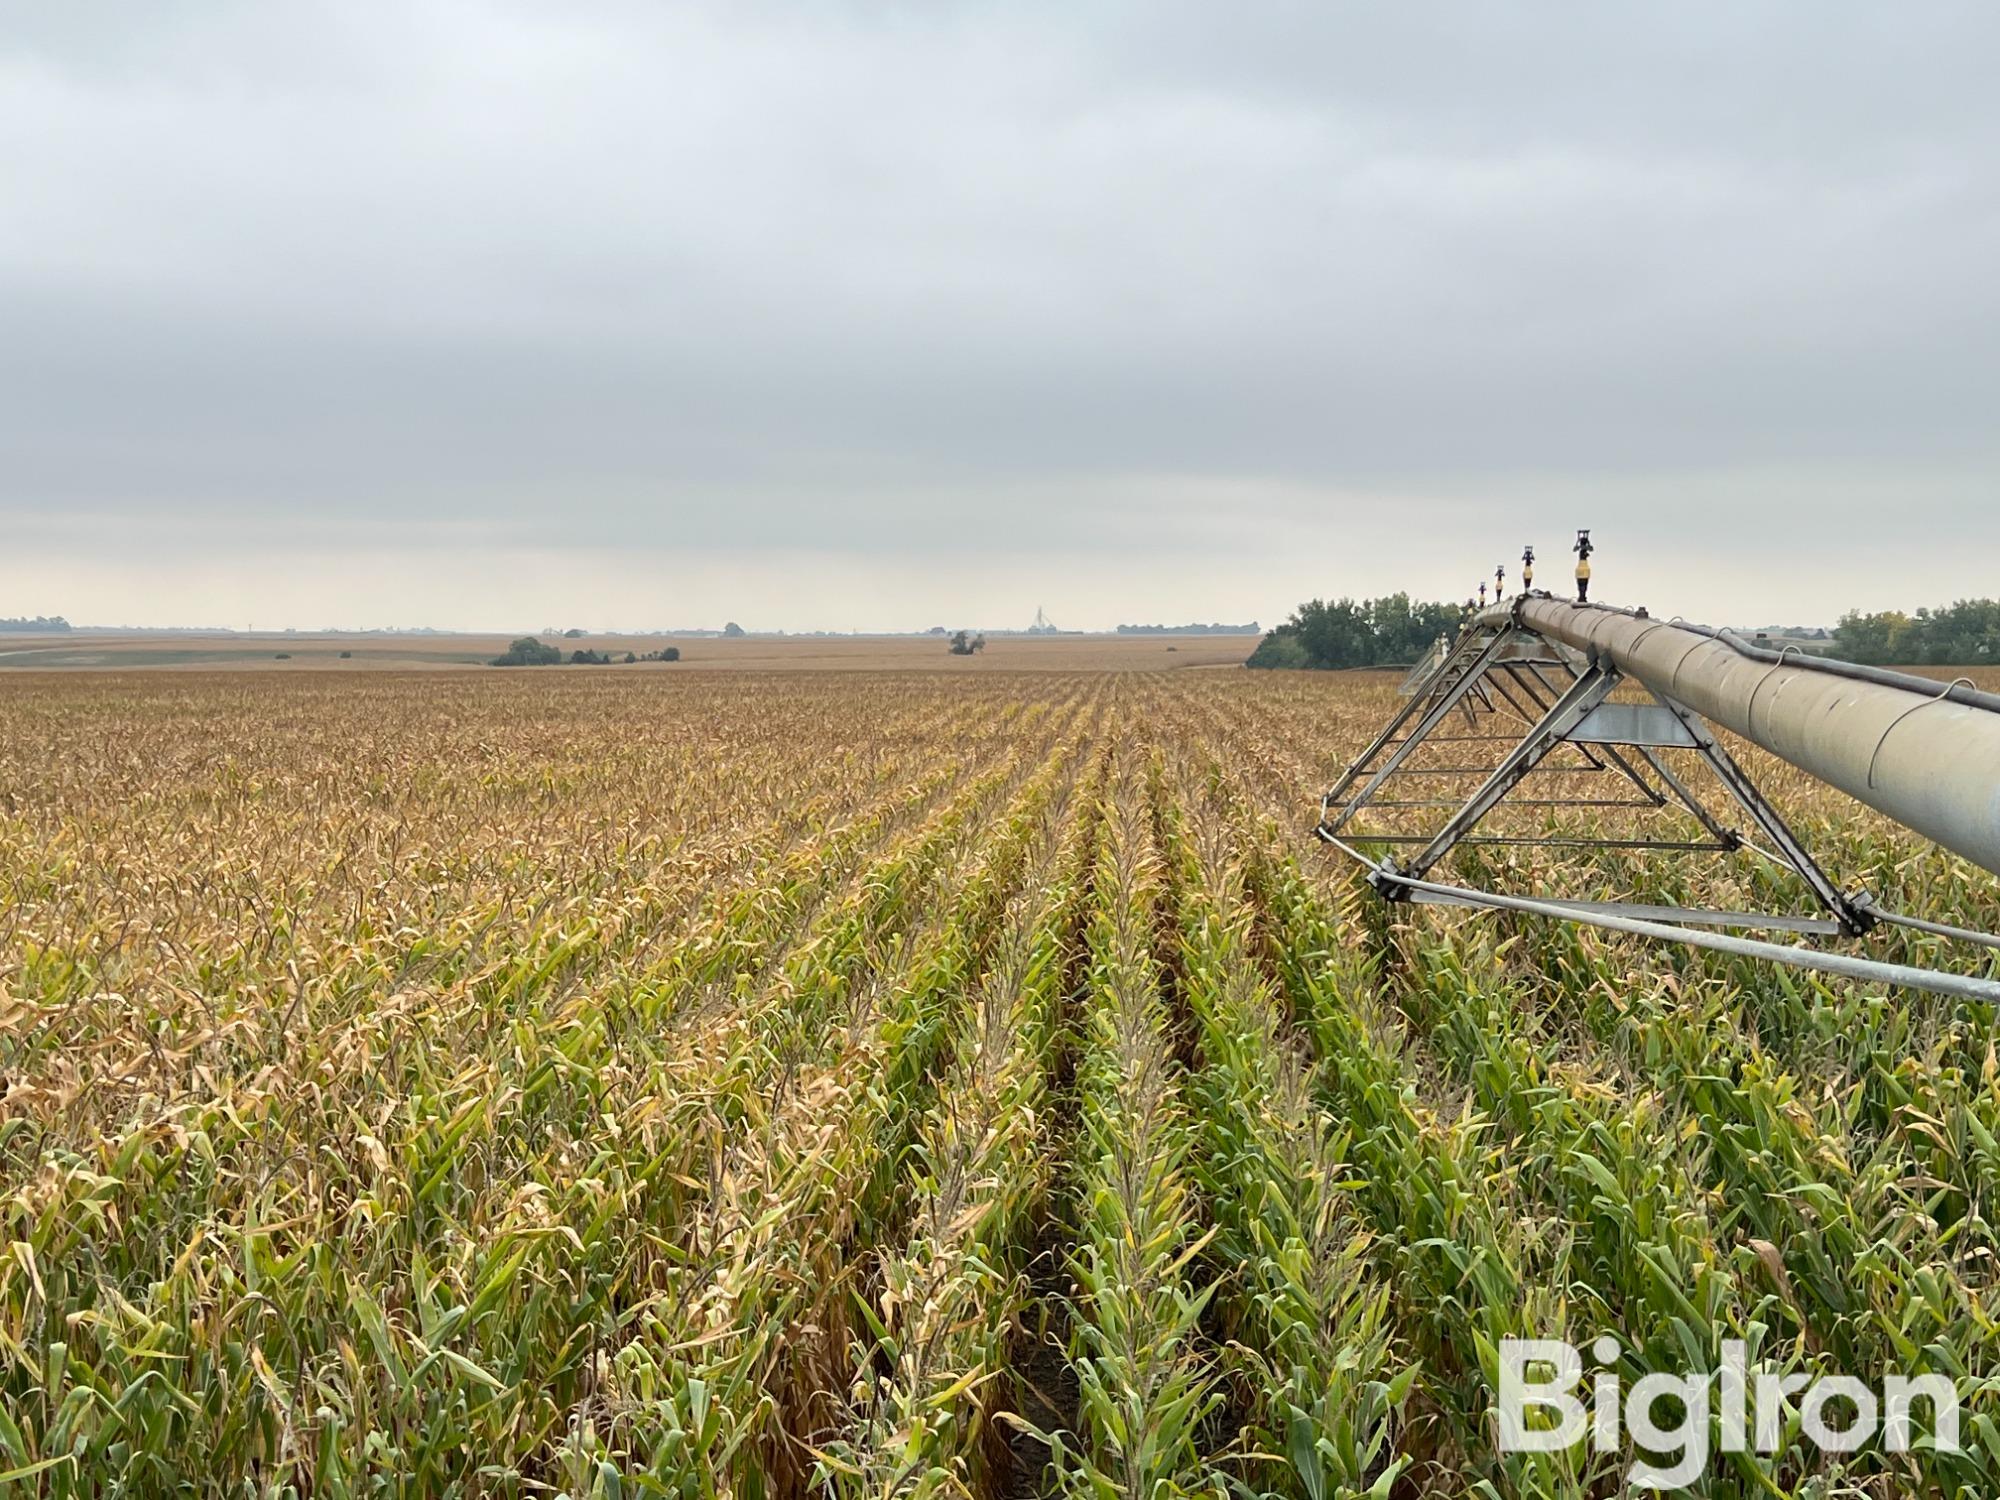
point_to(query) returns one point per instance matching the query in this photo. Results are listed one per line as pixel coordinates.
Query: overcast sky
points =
(494, 315)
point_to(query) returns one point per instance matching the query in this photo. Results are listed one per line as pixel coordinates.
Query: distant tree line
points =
(38, 625)
(1389, 631)
(1966, 633)
(1196, 629)
(1393, 630)
(531, 651)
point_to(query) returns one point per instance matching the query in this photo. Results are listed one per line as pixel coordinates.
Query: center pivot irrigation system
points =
(1528, 688)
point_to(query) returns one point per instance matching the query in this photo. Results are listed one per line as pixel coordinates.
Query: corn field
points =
(765, 1086)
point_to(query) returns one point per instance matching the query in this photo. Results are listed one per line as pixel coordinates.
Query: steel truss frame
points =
(1541, 699)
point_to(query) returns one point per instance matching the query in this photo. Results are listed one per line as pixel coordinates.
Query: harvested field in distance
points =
(1004, 653)
(665, 1081)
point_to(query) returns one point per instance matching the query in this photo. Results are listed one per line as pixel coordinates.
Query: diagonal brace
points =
(1589, 690)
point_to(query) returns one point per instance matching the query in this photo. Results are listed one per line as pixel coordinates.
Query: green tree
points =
(1963, 633)
(528, 651)
(1389, 631)
(1868, 638)
(1281, 648)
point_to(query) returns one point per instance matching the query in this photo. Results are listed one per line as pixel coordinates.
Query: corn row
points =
(729, 1374)
(1308, 1314)
(1468, 1270)
(1626, 1177)
(926, 1372)
(1147, 1380)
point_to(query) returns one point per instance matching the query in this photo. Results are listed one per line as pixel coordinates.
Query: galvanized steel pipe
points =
(1931, 764)
(1869, 970)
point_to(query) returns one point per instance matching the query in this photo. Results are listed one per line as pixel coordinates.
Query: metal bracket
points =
(1650, 725)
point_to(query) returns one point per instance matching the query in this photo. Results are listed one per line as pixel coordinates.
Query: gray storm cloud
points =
(1345, 297)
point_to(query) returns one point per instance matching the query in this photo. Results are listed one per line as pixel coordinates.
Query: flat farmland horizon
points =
(336, 651)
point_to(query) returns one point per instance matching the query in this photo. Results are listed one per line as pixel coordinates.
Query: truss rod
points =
(1500, 674)
(1689, 915)
(1852, 915)
(1458, 691)
(1584, 694)
(1693, 804)
(1869, 970)
(1489, 770)
(1513, 802)
(1667, 846)
(1939, 929)
(1543, 705)
(1445, 771)
(1463, 739)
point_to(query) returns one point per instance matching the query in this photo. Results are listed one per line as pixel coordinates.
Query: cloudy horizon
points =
(479, 315)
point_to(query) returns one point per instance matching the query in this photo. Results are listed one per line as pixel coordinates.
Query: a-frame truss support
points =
(1540, 700)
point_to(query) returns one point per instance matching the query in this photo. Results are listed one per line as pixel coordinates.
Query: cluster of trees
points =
(35, 625)
(963, 643)
(1394, 630)
(1389, 631)
(531, 651)
(1966, 633)
(528, 651)
(1195, 629)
